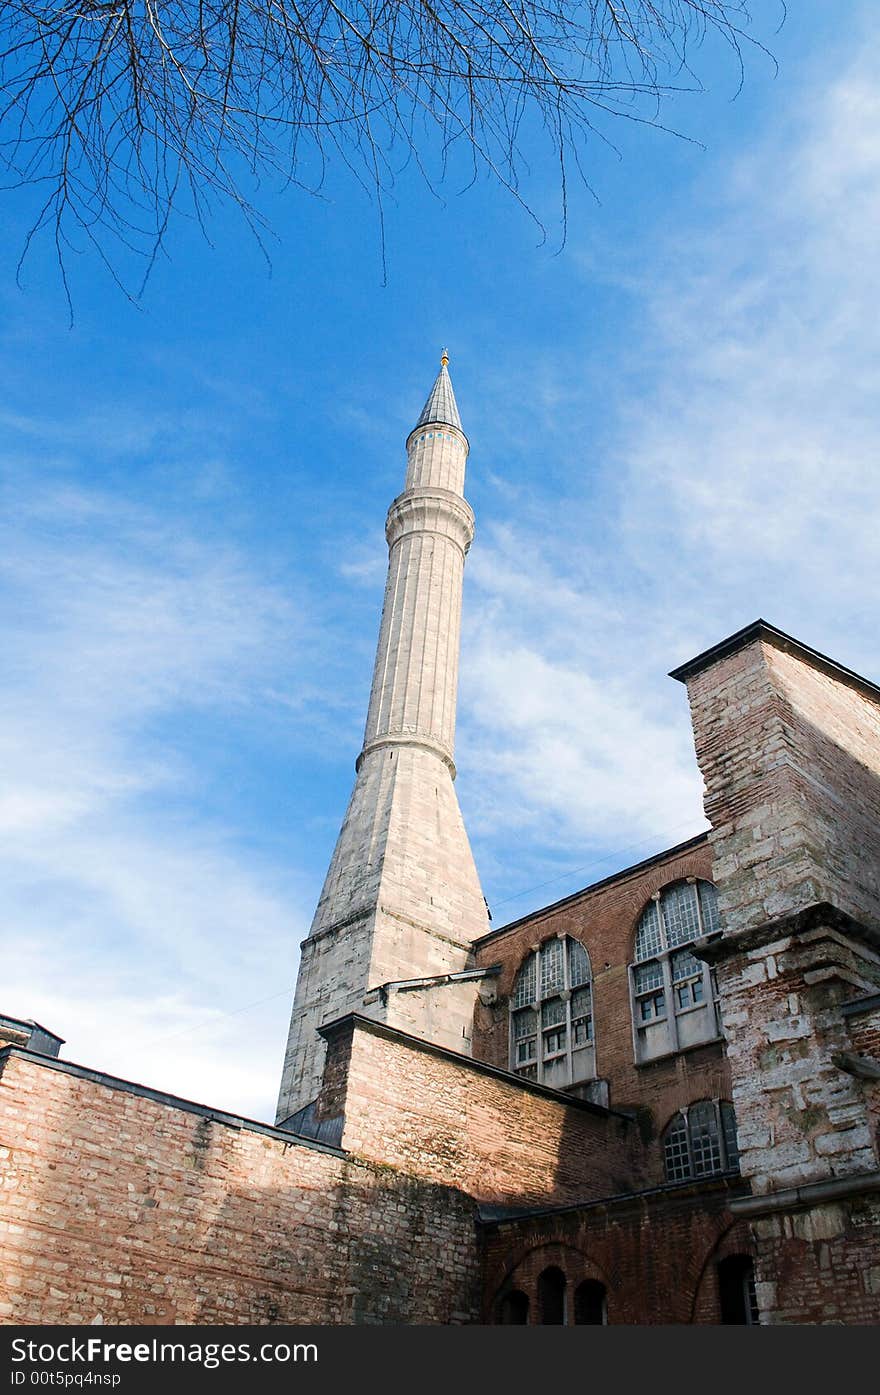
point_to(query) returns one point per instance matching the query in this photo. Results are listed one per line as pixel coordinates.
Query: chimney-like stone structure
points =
(402, 903)
(788, 742)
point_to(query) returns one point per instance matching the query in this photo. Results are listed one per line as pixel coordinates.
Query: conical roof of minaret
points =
(441, 406)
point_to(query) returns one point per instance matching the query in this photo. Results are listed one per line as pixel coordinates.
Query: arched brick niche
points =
(552, 1285)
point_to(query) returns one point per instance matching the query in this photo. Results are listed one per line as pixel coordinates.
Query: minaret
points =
(402, 900)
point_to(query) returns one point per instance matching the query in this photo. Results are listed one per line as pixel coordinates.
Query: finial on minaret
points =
(444, 357)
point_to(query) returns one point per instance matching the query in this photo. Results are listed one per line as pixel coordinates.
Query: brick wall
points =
(140, 1210)
(445, 1118)
(656, 1255)
(604, 919)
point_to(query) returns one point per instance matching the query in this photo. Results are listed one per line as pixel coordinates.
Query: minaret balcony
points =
(431, 510)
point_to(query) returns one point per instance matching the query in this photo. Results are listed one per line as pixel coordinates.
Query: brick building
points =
(655, 1101)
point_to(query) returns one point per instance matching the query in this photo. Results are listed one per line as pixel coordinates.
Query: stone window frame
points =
(687, 1151)
(666, 972)
(543, 993)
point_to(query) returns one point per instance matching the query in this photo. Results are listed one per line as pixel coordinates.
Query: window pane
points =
(648, 976)
(581, 1002)
(705, 1143)
(675, 1151)
(552, 972)
(578, 964)
(709, 907)
(653, 1006)
(524, 991)
(526, 1051)
(679, 904)
(525, 1024)
(582, 1031)
(553, 1013)
(728, 1123)
(581, 1017)
(648, 939)
(684, 965)
(555, 1042)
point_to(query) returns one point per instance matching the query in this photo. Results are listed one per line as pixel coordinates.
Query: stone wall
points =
(800, 1118)
(139, 1208)
(789, 747)
(446, 1118)
(790, 756)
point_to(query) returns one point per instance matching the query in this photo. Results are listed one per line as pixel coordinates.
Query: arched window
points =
(673, 992)
(551, 1297)
(551, 1015)
(589, 1304)
(736, 1291)
(514, 1308)
(701, 1141)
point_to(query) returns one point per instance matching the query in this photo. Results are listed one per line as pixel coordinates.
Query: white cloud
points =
(743, 481)
(131, 907)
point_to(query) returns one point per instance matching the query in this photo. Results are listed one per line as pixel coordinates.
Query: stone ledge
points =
(810, 1194)
(862, 1067)
(666, 1056)
(859, 1005)
(819, 915)
(488, 1216)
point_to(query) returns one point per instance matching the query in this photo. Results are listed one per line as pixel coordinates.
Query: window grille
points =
(705, 1138)
(578, 964)
(524, 991)
(552, 968)
(728, 1130)
(553, 1012)
(648, 976)
(701, 1141)
(552, 996)
(665, 971)
(649, 939)
(676, 1151)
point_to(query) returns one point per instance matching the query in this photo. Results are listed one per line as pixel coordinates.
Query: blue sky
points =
(674, 429)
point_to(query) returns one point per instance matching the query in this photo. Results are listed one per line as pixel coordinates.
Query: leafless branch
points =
(124, 111)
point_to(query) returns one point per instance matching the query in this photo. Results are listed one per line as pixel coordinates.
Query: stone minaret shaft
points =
(402, 899)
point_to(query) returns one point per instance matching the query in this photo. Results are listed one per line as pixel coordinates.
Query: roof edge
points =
(351, 1021)
(163, 1097)
(31, 1022)
(630, 871)
(763, 630)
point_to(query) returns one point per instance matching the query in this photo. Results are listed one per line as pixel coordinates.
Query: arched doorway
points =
(551, 1297)
(590, 1308)
(736, 1291)
(514, 1308)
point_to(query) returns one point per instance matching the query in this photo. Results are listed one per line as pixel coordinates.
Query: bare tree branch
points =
(125, 111)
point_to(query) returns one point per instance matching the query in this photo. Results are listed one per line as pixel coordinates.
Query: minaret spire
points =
(441, 408)
(402, 899)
